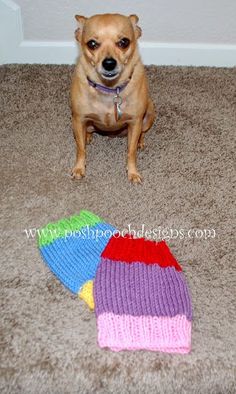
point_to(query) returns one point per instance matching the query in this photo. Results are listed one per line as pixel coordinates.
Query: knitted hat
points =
(72, 248)
(141, 298)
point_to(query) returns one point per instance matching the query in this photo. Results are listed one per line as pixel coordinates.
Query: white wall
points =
(175, 32)
(192, 21)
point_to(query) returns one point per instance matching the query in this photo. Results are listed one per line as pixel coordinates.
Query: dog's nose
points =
(109, 64)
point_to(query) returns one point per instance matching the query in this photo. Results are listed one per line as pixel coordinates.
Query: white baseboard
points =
(14, 49)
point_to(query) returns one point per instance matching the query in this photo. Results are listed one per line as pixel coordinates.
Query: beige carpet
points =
(48, 337)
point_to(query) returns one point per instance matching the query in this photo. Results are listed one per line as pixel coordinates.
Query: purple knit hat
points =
(141, 298)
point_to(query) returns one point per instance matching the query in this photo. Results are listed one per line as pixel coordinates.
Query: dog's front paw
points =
(141, 145)
(78, 173)
(134, 177)
(89, 138)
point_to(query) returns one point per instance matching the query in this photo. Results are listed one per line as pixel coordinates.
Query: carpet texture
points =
(48, 336)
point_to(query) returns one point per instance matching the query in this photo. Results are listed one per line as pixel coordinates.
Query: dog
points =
(109, 91)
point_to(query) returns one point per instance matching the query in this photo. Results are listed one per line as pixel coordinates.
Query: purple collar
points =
(106, 89)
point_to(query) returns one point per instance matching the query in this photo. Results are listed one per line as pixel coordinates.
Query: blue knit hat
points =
(72, 247)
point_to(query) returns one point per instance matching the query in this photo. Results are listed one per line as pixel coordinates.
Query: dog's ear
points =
(134, 20)
(81, 19)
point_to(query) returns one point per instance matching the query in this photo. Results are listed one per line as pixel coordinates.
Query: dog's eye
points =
(123, 43)
(92, 44)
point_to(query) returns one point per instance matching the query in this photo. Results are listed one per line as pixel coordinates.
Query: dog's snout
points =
(109, 64)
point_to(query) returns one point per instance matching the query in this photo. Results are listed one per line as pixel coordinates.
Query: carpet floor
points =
(48, 336)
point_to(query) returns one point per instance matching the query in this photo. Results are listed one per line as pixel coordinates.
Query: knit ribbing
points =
(138, 289)
(65, 227)
(129, 250)
(164, 334)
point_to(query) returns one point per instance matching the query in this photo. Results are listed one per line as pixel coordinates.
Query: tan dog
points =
(109, 88)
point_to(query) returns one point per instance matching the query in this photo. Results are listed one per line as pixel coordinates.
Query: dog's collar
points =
(106, 89)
